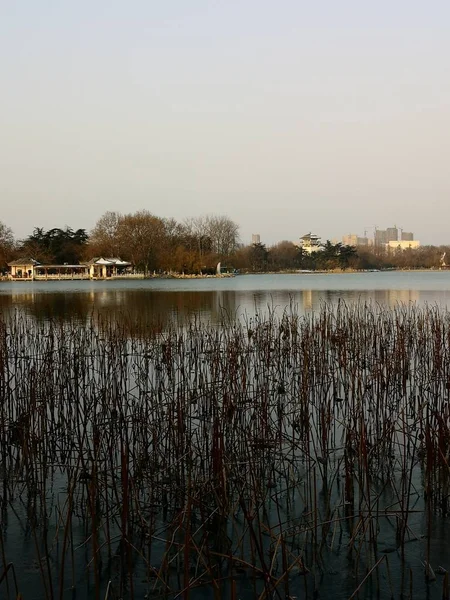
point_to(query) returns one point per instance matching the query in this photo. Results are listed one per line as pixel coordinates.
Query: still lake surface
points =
(213, 299)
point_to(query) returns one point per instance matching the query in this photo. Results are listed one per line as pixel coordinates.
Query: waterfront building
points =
(310, 243)
(22, 268)
(102, 268)
(97, 268)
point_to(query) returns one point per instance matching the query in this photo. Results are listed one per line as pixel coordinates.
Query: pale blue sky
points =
(286, 116)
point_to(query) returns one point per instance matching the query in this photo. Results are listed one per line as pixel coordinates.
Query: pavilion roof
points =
(99, 260)
(310, 237)
(23, 261)
(118, 262)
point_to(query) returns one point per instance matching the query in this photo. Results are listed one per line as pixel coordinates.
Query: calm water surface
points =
(211, 299)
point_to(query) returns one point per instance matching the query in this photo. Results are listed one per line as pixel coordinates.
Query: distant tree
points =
(327, 257)
(7, 245)
(347, 256)
(56, 245)
(142, 236)
(213, 234)
(429, 257)
(104, 239)
(36, 246)
(366, 259)
(284, 255)
(241, 258)
(196, 236)
(174, 231)
(335, 256)
(223, 233)
(177, 251)
(258, 257)
(308, 261)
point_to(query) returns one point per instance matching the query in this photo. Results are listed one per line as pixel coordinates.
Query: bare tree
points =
(224, 234)
(284, 255)
(7, 244)
(104, 238)
(197, 235)
(142, 236)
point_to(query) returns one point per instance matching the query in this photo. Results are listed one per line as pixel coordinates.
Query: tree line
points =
(149, 242)
(155, 244)
(286, 256)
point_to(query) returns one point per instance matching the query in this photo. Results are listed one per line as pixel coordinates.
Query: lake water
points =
(151, 390)
(212, 299)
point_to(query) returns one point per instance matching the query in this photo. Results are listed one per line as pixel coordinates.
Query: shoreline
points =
(7, 279)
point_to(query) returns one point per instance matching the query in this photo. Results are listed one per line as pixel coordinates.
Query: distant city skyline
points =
(326, 117)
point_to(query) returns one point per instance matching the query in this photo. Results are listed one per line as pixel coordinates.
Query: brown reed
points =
(192, 455)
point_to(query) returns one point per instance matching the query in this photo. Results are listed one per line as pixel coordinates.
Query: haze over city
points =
(288, 118)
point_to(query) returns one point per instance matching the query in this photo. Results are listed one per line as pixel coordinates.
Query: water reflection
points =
(164, 307)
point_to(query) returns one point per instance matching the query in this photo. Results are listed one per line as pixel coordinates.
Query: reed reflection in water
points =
(283, 456)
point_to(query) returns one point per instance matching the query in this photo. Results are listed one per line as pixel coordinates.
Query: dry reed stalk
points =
(145, 428)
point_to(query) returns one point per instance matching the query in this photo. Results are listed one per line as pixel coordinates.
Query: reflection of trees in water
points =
(170, 447)
(137, 307)
(6, 304)
(164, 308)
(160, 308)
(43, 306)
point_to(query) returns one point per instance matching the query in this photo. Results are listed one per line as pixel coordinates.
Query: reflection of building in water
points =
(395, 297)
(147, 310)
(101, 298)
(307, 299)
(28, 297)
(223, 306)
(218, 303)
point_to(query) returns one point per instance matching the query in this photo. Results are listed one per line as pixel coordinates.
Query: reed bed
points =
(254, 459)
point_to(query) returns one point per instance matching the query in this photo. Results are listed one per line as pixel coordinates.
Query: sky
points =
(287, 117)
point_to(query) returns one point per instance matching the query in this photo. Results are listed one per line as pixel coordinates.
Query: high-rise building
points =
(380, 237)
(407, 236)
(384, 236)
(392, 234)
(256, 238)
(352, 239)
